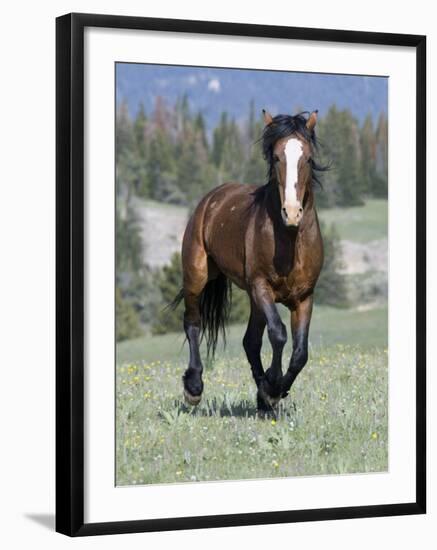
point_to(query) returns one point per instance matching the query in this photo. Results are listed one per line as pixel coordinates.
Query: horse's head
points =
(288, 147)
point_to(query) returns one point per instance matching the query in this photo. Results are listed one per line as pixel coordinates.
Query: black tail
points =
(176, 300)
(215, 306)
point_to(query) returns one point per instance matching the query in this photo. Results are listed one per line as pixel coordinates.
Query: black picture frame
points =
(70, 273)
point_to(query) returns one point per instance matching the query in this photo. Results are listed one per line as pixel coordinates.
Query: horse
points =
(266, 240)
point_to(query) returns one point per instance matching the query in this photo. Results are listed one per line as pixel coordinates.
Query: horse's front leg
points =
(300, 325)
(270, 386)
(252, 342)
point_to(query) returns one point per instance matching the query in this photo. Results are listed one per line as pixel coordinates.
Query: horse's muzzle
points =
(292, 215)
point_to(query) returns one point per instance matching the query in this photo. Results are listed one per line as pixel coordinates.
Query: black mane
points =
(283, 126)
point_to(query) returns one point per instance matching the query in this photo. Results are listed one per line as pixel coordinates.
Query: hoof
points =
(192, 399)
(271, 401)
(265, 392)
(193, 386)
(262, 414)
(267, 407)
(267, 413)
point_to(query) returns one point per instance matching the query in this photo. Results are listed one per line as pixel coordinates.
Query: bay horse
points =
(266, 240)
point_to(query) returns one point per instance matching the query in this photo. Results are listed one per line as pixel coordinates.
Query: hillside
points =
(362, 230)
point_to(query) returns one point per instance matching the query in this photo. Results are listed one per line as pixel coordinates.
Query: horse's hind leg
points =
(195, 268)
(192, 378)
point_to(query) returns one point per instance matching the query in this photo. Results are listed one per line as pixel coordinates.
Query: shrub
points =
(169, 282)
(127, 324)
(331, 288)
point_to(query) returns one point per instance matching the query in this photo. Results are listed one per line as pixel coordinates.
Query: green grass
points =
(361, 223)
(333, 422)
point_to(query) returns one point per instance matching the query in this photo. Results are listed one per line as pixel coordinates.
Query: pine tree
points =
(255, 169)
(162, 169)
(381, 157)
(374, 156)
(161, 116)
(339, 137)
(367, 142)
(123, 134)
(350, 189)
(139, 129)
(234, 154)
(125, 151)
(192, 161)
(200, 127)
(128, 239)
(219, 138)
(228, 151)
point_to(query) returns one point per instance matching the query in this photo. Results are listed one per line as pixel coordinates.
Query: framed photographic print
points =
(240, 274)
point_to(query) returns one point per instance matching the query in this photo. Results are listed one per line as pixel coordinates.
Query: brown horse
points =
(265, 239)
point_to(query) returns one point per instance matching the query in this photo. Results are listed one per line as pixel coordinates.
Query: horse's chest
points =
(290, 263)
(291, 288)
(293, 284)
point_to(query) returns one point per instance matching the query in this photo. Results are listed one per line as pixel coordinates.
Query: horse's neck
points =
(309, 221)
(309, 227)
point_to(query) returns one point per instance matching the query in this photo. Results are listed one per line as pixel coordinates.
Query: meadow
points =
(333, 422)
(359, 224)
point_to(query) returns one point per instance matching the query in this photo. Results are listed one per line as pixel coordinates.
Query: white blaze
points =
(293, 152)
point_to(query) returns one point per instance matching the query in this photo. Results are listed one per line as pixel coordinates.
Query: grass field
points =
(334, 420)
(360, 223)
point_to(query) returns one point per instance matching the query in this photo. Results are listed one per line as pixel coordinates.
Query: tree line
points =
(169, 155)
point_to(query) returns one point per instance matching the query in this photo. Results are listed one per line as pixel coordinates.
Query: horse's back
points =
(221, 219)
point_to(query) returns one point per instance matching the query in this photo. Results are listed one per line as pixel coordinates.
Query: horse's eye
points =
(275, 158)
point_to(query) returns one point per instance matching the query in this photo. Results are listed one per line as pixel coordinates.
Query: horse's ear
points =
(268, 119)
(311, 122)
